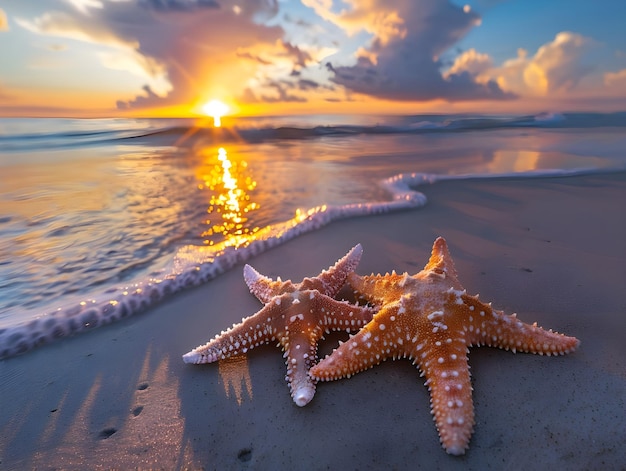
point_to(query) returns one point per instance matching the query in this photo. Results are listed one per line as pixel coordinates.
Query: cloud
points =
(249, 55)
(297, 22)
(4, 21)
(284, 66)
(153, 72)
(296, 57)
(560, 64)
(80, 27)
(380, 18)
(301, 57)
(306, 84)
(557, 68)
(139, 101)
(83, 6)
(472, 62)
(402, 62)
(282, 94)
(616, 81)
(184, 49)
(178, 5)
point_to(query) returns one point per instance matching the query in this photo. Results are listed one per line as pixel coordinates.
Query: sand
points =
(553, 250)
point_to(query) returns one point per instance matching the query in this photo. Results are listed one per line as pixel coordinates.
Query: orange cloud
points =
(472, 62)
(381, 18)
(556, 69)
(185, 51)
(4, 21)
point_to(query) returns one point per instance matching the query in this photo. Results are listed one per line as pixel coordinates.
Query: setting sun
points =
(216, 109)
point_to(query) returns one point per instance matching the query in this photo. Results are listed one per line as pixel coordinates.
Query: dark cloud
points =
(306, 84)
(301, 58)
(139, 101)
(406, 66)
(297, 22)
(256, 58)
(282, 93)
(178, 5)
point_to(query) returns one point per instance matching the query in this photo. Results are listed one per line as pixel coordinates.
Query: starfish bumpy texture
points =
(429, 318)
(297, 315)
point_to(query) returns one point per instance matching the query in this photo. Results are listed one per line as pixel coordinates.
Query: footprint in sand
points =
(106, 433)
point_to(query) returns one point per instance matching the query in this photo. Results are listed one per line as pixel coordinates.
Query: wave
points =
(254, 130)
(193, 265)
(249, 133)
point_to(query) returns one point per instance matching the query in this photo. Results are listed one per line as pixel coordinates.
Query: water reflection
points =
(230, 185)
(515, 160)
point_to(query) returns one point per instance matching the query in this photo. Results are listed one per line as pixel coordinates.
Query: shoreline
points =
(550, 249)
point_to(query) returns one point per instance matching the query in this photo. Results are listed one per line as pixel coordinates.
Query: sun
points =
(216, 109)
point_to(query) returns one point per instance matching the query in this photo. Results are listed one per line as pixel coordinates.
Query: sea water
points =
(102, 218)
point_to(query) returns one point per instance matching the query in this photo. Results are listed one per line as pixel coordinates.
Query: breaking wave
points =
(254, 130)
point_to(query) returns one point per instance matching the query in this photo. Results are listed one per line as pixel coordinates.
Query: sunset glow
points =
(215, 109)
(73, 58)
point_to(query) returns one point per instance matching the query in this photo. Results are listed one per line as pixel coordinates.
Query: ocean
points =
(103, 218)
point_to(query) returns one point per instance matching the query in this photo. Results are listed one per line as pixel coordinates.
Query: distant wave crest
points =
(179, 132)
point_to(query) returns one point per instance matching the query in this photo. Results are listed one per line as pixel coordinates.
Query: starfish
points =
(297, 315)
(429, 318)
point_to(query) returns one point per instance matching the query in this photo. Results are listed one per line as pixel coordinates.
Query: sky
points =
(100, 58)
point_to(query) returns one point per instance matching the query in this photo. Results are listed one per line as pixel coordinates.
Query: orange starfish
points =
(297, 315)
(429, 318)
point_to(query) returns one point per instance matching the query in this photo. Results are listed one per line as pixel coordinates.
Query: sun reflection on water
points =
(230, 202)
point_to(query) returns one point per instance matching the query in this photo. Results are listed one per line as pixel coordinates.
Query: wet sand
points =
(551, 249)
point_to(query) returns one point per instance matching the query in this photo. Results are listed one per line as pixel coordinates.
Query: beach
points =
(551, 249)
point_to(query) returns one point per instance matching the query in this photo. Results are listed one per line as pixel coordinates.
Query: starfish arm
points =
(367, 348)
(339, 315)
(330, 281)
(249, 333)
(445, 365)
(263, 287)
(379, 289)
(496, 329)
(441, 263)
(301, 352)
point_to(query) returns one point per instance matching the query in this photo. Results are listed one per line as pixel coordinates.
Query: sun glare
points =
(216, 109)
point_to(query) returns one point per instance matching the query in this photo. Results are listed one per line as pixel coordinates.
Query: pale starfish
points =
(295, 314)
(429, 318)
